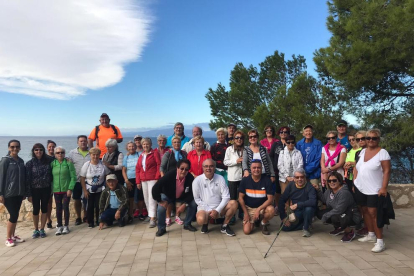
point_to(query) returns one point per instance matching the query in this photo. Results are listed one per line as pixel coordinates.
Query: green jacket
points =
(121, 194)
(64, 176)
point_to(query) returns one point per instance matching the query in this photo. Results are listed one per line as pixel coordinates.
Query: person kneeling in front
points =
(256, 198)
(113, 204)
(303, 203)
(213, 198)
(175, 186)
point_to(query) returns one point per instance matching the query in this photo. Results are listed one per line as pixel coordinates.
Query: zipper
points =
(19, 176)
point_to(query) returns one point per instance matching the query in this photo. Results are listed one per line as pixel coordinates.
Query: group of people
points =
(340, 182)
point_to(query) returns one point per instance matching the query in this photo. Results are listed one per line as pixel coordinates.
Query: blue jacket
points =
(184, 140)
(311, 160)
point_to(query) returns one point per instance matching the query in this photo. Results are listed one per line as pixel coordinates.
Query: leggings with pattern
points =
(62, 204)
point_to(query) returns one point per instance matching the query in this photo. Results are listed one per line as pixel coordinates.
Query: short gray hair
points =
(199, 128)
(59, 148)
(111, 143)
(375, 131)
(130, 142)
(222, 129)
(214, 162)
(148, 140)
(161, 137)
(300, 171)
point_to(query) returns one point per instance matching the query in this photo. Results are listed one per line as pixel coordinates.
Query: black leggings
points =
(93, 205)
(13, 207)
(234, 189)
(40, 197)
(62, 205)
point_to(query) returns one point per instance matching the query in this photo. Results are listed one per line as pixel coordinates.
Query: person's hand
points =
(382, 192)
(1, 199)
(162, 174)
(69, 193)
(347, 165)
(101, 225)
(294, 207)
(290, 179)
(86, 194)
(316, 186)
(129, 185)
(118, 215)
(30, 199)
(246, 218)
(287, 222)
(139, 186)
(273, 179)
(246, 173)
(239, 160)
(256, 215)
(163, 204)
(213, 214)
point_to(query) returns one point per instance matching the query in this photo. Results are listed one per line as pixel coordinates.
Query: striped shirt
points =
(255, 192)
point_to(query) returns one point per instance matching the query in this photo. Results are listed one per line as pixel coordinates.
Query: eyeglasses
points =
(238, 138)
(184, 169)
(38, 150)
(137, 139)
(299, 177)
(253, 137)
(208, 166)
(372, 138)
(360, 139)
(269, 130)
(352, 139)
(60, 152)
(284, 132)
(178, 128)
(331, 138)
(332, 180)
(15, 147)
(290, 142)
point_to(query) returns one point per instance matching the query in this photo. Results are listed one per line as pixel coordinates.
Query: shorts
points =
(365, 200)
(251, 212)
(138, 194)
(77, 191)
(131, 194)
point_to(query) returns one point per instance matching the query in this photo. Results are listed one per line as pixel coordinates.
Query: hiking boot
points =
(204, 229)
(265, 231)
(36, 234)
(306, 233)
(160, 232)
(368, 239)
(348, 237)
(337, 231)
(227, 230)
(42, 233)
(378, 248)
(78, 221)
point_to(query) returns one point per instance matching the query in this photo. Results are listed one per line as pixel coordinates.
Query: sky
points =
(147, 64)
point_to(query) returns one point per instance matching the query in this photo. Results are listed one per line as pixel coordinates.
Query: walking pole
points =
(277, 235)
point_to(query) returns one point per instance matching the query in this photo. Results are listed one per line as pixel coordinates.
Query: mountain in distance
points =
(167, 131)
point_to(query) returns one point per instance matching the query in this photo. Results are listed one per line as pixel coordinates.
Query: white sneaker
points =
(17, 239)
(59, 231)
(367, 238)
(378, 248)
(65, 230)
(9, 243)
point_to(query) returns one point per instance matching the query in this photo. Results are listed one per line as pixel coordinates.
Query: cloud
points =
(60, 49)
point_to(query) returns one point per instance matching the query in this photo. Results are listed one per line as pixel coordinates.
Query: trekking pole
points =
(277, 235)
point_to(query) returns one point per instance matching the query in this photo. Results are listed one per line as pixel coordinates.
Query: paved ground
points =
(134, 250)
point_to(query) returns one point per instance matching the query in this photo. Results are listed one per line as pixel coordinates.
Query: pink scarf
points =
(334, 155)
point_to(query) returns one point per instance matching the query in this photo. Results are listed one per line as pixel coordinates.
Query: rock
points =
(403, 200)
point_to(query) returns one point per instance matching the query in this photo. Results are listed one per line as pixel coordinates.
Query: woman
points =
(333, 157)
(362, 143)
(284, 132)
(340, 207)
(233, 160)
(218, 152)
(197, 156)
(257, 151)
(50, 146)
(93, 183)
(162, 149)
(372, 173)
(64, 180)
(350, 161)
(13, 187)
(147, 172)
(290, 159)
(128, 172)
(172, 156)
(113, 158)
(269, 140)
(39, 177)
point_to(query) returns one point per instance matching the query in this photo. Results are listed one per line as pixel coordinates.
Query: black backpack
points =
(113, 128)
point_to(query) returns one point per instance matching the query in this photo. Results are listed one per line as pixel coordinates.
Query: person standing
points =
(350, 161)
(103, 132)
(218, 152)
(113, 158)
(333, 157)
(197, 156)
(342, 138)
(128, 170)
(178, 131)
(290, 159)
(189, 146)
(231, 129)
(50, 147)
(269, 140)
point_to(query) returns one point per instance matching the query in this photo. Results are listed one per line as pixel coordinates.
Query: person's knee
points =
(247, 229)
(201, 218)
(372, 212)
(233, 205)
(269, 211)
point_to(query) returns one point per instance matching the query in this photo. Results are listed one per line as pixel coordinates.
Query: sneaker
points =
(378, 248)
(36, 234)
(65, 230)
(17, 239)
(141, 217)
(136, 213)
(49, 225)
(227, 230)
(337, 231)
(367, 238)
(145, 212)
(91, 225)
(362, 232)
(178, 220)
(348, 237)
(306, 233)
(59, 231)
(42, 233)
(152, 224)
(9, 243)
(78, 221)
(168, 221)
(204, 229)
(265, 231)
(147, 219)
(160, 232)
(190, 228)
(130, 220)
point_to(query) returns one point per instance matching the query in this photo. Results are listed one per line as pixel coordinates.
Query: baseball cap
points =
(137, 136)
(232, 124)
(111, 177)
(342, 123)
(308, 126)
(104, 115)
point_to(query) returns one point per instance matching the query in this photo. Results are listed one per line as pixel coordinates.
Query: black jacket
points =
(385, 211)
(166, 185)
(13, 178)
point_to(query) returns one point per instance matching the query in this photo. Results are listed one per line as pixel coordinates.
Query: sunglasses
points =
(15, 147)
(372, 138)
(60, 152)
(290, 142)
(184, 169)
(269, 130)
(360, 139)
(332, 180)
(352, 139)
(38, 150)
(238, 138)
(331, 138)
(299, 177)
(138, 139)
(253, 137)
(284, 132)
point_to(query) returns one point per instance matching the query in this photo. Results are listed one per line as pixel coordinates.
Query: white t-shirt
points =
(336, 159)
(370, 174)
(94, 175)
(256, 155)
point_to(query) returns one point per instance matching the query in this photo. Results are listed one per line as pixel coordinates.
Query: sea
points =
(67, 142)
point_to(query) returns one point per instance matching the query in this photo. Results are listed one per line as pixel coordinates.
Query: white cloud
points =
(60, 49)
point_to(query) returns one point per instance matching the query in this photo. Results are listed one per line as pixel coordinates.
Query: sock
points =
(224, 225)
(262, 223)
(380, 241)
(371, 234)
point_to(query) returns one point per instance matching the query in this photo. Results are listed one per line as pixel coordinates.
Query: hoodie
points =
(13, 178)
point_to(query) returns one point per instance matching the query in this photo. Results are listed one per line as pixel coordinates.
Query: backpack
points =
(97, 130)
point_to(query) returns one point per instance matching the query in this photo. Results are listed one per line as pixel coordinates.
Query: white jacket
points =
(234, 169)
(189, 146)
(284, 161)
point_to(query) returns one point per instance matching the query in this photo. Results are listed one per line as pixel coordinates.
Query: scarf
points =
(177, 154)
(334, 155)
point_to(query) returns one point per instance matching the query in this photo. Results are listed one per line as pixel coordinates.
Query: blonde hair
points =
(375, 131)
(95, 151)
(332, 132)
(222, 129)
(361, 132)
(198, 138)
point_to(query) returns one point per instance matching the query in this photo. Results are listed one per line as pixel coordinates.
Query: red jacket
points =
(196, 163)
(152, 165)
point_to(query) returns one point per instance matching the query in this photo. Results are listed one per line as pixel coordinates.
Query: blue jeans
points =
(161, 212)
(108, 216)
(303, 219)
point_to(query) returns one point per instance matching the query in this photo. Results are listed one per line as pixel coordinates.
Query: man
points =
(189, 146)
(311, 149)
(302, 196)
(78, 157)
(231, 129)
(213, 198)
(256, 198)
(175, 186)
(113, 204)
(178, 131)
(103, 133)
(341, 127)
